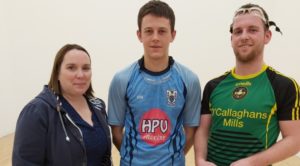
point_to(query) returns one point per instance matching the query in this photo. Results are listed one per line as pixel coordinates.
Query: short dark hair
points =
(157, 8)
(250, 5)
(54, 82)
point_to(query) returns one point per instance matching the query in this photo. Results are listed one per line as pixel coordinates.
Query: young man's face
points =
(156, 36)
(249, 37)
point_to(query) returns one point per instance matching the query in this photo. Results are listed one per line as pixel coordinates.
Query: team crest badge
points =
(171, 95)
(239, 92)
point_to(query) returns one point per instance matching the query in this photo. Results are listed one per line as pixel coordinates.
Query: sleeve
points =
(209, 88)
(117, 101)
(191, 115)
(205, 100)
(30, 137)
(287, 99)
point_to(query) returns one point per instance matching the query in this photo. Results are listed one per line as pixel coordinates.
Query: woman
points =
(65, 124)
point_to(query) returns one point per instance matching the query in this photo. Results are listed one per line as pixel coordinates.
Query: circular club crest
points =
(239, 92)
(155, 127)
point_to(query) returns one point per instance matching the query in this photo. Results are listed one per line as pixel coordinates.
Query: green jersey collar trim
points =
(264, 68)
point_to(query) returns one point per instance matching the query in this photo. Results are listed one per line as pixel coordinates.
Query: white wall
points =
(32, 31)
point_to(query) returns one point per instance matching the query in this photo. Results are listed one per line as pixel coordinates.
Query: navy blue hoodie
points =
(46, 136)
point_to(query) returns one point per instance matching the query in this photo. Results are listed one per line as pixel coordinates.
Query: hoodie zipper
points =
(81, 139)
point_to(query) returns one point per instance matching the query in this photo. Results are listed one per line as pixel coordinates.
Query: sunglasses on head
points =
(253, 10)
(259, 13)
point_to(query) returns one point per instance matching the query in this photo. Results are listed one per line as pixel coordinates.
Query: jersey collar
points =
(264, 68)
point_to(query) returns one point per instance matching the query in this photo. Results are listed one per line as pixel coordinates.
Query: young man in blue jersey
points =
(244, 110)
(154, 104)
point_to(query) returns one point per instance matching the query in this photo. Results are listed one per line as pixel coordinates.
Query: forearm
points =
(201, 140)
(200, 147)
(117, 142)
(288, 146)
(283, 149)
(117, 133)
(189, 134)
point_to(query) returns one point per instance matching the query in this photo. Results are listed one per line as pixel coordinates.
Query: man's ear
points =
(173, 35)
(139, 35)
(268, 36)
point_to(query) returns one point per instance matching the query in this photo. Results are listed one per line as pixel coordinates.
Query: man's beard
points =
(246, 58)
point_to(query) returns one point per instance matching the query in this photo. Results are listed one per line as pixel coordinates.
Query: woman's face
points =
(75, 73)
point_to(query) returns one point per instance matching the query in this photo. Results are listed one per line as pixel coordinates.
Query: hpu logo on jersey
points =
(171, 95)
(154, 127)
(239, 92)
(149, 125)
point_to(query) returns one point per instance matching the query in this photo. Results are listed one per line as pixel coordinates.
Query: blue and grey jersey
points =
(153, 108)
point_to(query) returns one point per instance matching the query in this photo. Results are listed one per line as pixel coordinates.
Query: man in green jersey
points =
(244, 110)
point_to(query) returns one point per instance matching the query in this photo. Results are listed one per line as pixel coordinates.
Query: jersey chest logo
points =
(171, 95)
(155, 127)
(239, 92)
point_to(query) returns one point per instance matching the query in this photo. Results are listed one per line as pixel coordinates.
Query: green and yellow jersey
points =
(246, 112)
